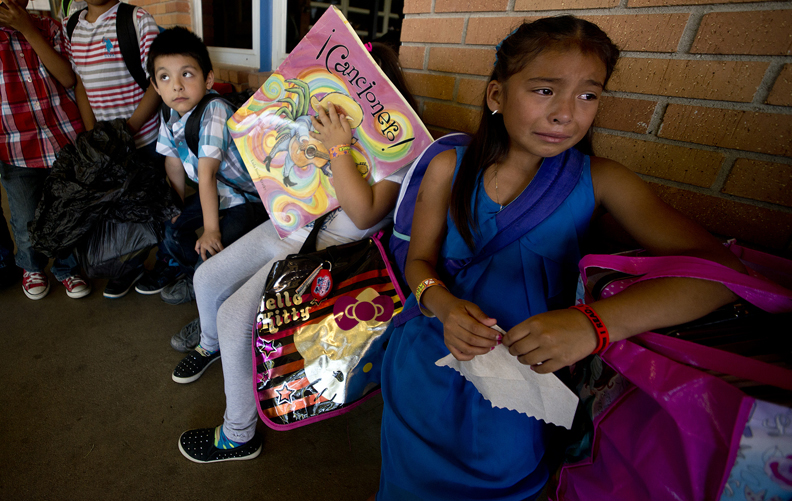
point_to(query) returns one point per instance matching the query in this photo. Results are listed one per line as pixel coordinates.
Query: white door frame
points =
(248, 58)
(279, 15)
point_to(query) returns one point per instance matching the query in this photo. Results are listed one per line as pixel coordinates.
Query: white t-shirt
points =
(338, 227)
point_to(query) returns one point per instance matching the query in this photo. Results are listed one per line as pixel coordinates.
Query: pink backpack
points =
(665, 428)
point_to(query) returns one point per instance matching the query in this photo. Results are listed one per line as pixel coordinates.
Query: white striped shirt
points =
(96, 58)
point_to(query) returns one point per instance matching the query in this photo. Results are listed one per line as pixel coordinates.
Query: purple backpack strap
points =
(552, 184)
(758, 291)
(713, 359)
(403, 215)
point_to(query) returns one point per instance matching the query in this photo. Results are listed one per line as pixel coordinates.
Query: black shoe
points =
(193, 365)
(188, 337)
(198, 446)
(119, 287)
(9, 275)
(157, 279)
(179, 292)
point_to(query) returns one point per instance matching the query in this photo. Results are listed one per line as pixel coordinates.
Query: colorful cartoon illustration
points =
(303, 151)
(291, 170)
(762, 469)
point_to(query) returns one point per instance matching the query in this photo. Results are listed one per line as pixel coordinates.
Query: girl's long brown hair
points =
(490, 143)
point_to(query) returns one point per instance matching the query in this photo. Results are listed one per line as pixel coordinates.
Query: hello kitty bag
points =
(320, 332)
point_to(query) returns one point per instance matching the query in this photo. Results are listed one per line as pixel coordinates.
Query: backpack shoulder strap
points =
(192, 129)
(128, 44)
(551, 185)
(165, 112)
(73, 20)
(405, 205)
(755, 289)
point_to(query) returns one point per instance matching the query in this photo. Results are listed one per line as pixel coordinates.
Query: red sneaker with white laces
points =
(36, 285)
(76, 286)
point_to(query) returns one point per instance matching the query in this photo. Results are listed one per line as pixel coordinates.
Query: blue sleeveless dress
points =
(440, 438)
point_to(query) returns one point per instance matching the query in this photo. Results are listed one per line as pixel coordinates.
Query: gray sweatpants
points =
(228, 290)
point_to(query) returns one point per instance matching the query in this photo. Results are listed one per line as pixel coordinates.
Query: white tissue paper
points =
(508, 384)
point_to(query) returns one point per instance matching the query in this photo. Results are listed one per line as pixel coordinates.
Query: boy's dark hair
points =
(388, 60)
(490, 143)
(178, 41)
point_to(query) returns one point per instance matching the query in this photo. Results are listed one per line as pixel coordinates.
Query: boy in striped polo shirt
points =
(38, 116)
(106, 90)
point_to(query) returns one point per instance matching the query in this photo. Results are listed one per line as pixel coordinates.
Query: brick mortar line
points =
(446, 74)
(691, 30)
(767, 83)
(510, 6)
(706, 191)
(657, 118)
(671, 56)
(477, 107)
(723, 173)
(687, 56)
(671, 9)
(706, 103)
(751, 155)
(464, 28)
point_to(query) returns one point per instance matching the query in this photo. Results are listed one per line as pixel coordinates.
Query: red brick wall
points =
(700, 104)
(168, 13)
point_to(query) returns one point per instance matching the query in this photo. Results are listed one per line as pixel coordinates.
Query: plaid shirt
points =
(37, 115)
(214, 141)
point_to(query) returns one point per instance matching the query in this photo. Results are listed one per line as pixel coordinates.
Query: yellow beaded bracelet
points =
(429, 282)
(341, 149)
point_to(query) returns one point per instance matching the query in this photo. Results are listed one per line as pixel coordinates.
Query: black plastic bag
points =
(102, 177)
(107, 251)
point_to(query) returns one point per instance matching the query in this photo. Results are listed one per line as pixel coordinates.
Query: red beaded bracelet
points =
(603, 338)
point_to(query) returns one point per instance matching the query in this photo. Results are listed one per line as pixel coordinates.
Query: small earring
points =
(494, 112)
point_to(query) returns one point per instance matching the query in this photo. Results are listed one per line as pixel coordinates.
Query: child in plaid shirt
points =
(181, 72)
(38, 116)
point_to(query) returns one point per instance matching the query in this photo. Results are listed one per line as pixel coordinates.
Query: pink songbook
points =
(291, 170)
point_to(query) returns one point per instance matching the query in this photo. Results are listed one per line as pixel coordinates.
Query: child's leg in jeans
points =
(239, 220)
(225, 273)
(9, 272)
(236, 222)
(24, 187)
(180, 237)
